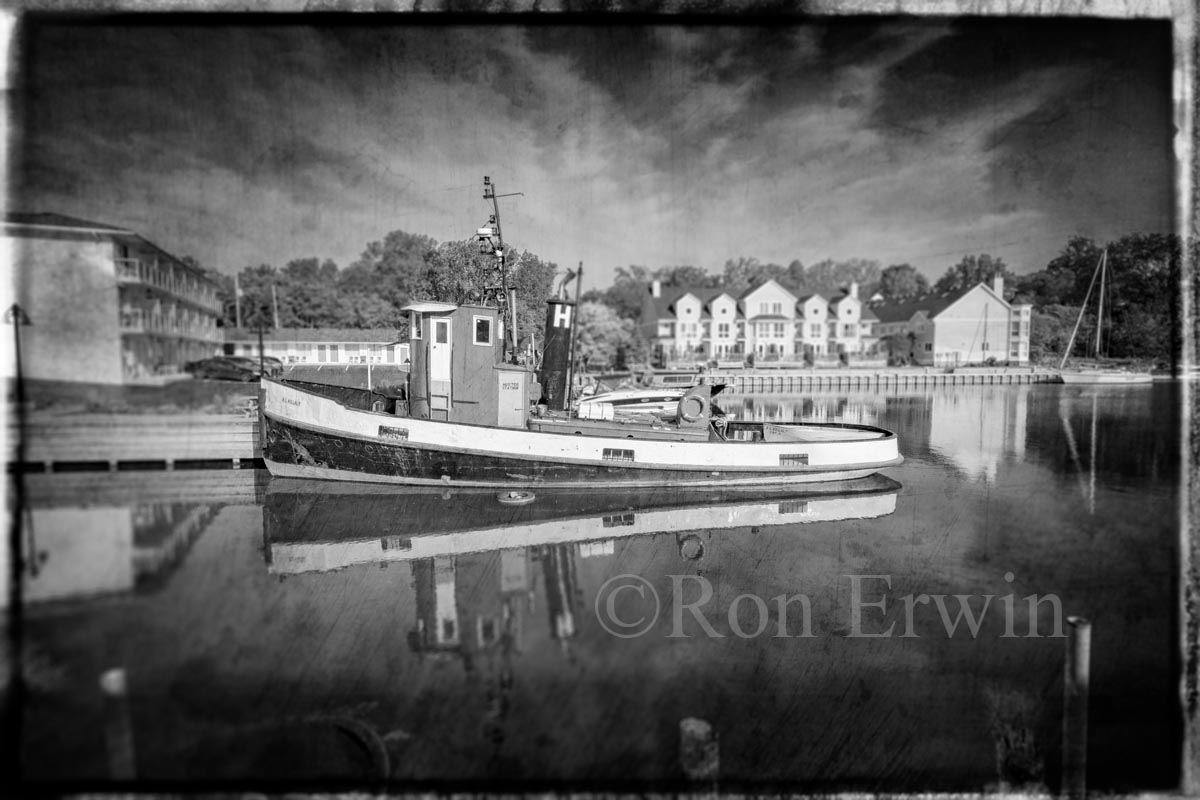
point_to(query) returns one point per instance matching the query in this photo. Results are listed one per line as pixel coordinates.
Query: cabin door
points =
(439, 368)
(512, 410)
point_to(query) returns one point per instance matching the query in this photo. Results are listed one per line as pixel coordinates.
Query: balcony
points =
(167, 325)
(137, 272)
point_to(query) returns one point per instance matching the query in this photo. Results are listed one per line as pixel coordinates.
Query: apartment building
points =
(105, 304)
(768, 320)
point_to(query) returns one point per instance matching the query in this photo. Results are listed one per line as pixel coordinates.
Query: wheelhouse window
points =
(414, 325)
(483, 330)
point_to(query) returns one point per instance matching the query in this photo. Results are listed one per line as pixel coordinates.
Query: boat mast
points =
(1083, 308)
(1100, 307)
(507, 300)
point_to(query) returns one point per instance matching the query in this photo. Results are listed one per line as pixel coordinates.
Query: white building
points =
(768, 321)
(971, 326)
(106, 305)
(320, 345)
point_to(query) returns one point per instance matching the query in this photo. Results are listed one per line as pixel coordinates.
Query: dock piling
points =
(118, 725)
(1075, 708)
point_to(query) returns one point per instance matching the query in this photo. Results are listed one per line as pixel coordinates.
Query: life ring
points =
(516, 498)
(693, 407)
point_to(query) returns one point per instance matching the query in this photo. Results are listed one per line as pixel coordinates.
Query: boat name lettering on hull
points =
(386, 432)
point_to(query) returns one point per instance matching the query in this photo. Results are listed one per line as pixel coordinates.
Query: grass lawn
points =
(182, 396)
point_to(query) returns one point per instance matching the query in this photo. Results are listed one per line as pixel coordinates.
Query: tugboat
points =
(476, 418)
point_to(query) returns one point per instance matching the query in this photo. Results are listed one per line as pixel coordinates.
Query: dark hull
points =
(294, 451)
(304, 510)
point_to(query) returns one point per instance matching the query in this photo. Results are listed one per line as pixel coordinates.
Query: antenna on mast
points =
(491, 239)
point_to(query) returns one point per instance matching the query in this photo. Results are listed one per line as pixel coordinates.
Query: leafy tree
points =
(456, 272)
(969, 272)
(628, 293)
(687, 275)
(307, 294)
(602, 335)
(255, 284)
(1050, 330)
(1141, 294)
(797, 279)
(901, 282)
(394, 269)
(740, 274)
(829, 277)
(533, 279)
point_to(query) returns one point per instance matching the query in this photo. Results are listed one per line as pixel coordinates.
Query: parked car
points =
(228, 368)
(270, 365)
(273, 366)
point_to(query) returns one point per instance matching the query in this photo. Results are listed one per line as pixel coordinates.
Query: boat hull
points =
(1110, 378)
(308, 436)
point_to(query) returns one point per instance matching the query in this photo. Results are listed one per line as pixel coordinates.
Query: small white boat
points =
(633, 401)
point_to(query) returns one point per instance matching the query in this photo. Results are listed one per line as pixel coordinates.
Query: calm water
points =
(291, 631)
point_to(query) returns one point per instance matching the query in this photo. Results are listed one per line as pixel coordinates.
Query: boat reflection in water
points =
(314, 526)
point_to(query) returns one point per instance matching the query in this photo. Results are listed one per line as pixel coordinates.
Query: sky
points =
(904, 141)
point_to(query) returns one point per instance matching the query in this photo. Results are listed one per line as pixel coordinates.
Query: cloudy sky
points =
(913, 141)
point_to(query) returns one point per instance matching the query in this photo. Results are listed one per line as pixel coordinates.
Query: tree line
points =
(1141, 295)
(369, 293)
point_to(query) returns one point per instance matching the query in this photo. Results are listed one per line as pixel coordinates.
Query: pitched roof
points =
(868, 315)
(838, 300)
(335, 335)
(50, 220)
(931, 304)
(662, 304)
(751, 290)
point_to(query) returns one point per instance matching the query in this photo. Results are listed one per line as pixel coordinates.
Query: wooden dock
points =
(56, 442)
(794, 382)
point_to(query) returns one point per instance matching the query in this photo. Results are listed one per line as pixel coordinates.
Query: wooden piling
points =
(699, 756)
(1075, 708)
(118, 725)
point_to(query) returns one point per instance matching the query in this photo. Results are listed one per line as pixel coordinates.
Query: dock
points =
(61, 442)
(797, 381)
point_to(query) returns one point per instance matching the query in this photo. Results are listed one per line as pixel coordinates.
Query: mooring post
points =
(118, 727)
(699, 753)
(1075, 708)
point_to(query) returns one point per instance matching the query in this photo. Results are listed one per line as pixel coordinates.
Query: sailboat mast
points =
(1083, 308)
(1100, 307)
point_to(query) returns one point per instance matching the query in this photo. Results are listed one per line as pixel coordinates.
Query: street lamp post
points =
(16, 317)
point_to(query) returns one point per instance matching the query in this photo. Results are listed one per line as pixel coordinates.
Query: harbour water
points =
(289, 633)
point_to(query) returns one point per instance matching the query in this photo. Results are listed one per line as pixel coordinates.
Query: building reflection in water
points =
(973, 428)
(76, 553)
(95, 534)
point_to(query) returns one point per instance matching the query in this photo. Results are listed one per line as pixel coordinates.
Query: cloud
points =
(632, 145)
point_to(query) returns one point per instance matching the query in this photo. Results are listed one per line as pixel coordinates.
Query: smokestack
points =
(656, 288)
(998, 285)
(854, 289)
(556, 354)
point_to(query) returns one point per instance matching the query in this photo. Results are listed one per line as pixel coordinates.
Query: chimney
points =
(656, 288)
(854, 289)
(998, 285)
